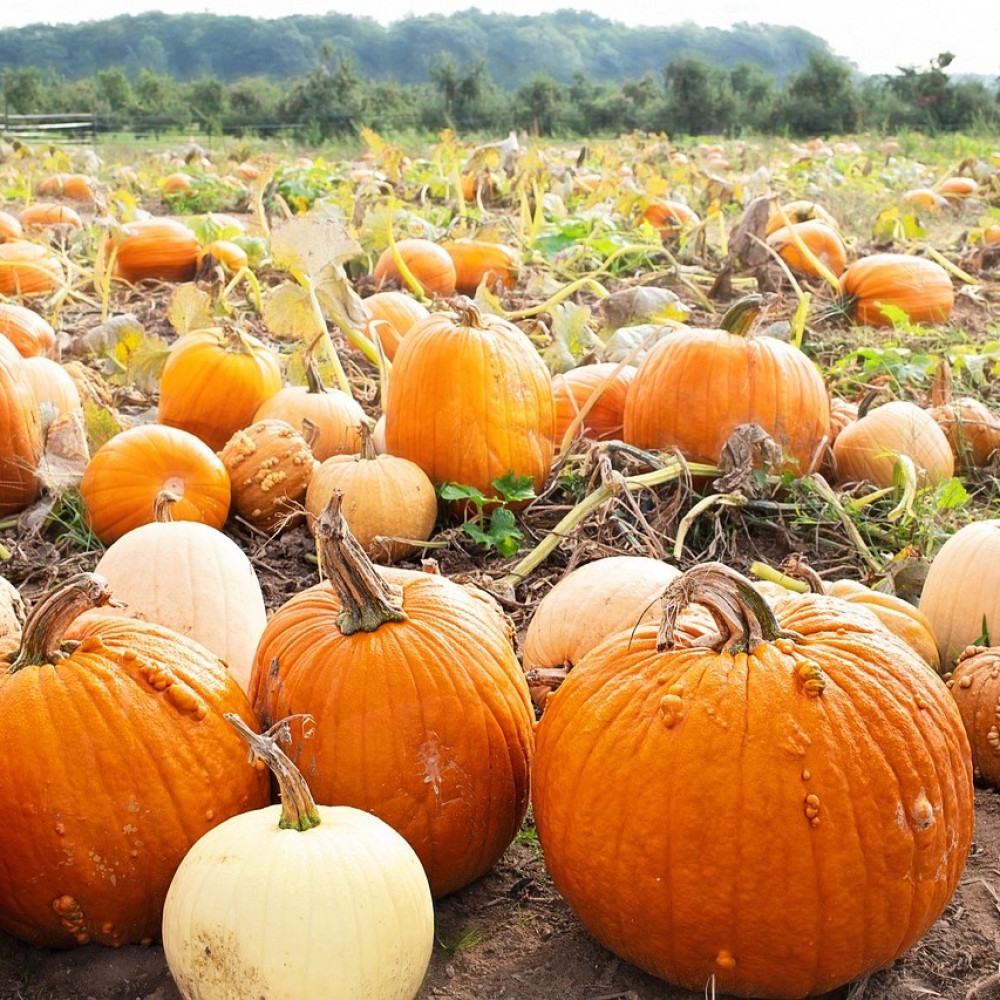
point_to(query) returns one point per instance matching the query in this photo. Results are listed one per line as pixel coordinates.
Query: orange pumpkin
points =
(800, 210)
(670, 217)
(972, 429)
(175, 183)
(470, 400)
(160, 249)
(477, 261)
(921, 288)
(392, 316)
(10, 228)
(956, 188)
(119, 759)
(29, 332)
(695, 387)
(602, 389)
(127, 473)
(21, 442)
(42, 214)
(214, 382)
(79, 187)
(28, 269)
(427, 261)
(821, 239)
(422, 711)
(671, 782)
(230, 255)
(975, 685)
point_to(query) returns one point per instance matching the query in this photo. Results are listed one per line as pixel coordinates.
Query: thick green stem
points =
(46, 625)
(298, 807)
(367, 601)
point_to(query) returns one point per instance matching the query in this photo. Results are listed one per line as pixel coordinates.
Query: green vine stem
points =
(43, 633)
(298, 807)
(744, 618)
(673, 468)
(367, 601)
(768, 573)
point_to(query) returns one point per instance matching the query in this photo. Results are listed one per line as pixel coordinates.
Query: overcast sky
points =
(877, 35)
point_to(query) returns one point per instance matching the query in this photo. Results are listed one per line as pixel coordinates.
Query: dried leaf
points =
(307, 246)
(103, 338)
(572, 337)
(66, 454)
(745, 241)
(642, 304)
(190, 309)
(337, 298)
(99, 424)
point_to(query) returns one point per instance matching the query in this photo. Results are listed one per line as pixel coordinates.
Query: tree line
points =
(689, 96)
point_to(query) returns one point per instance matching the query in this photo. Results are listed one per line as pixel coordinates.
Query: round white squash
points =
(331, 903)
(193, 579)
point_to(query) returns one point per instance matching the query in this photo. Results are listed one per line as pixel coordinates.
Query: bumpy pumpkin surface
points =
(117, 760)
(975, 686)
(422, 712)
(784, 810)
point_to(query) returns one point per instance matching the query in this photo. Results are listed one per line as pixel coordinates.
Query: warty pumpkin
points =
(470, 400)
(422, 712)
(192, 578)
(695, 387)
(127, 473)
(370, 930)
(778, 812)
(214, 382)
(920, 287)
(975, 685)
(118, 759)
(427, 261)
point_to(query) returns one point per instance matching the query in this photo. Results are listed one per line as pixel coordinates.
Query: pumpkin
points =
(422, 713)
(597, 391)
(28, 269)
(230, 255)
(587, 605)
(333, 415)
(426, 260)
(470, 400)
(21, 442)
(477, 261)
(392, 315)
(28, 331)
(192, 578)
(975, 686)
(670, 217)
(956, 188)
(175, 183)
(991, 234)
(867, 449)
(821, 239)
(270, 466)
(387, 501)
(53, 387)
(799, 210)
(215, 381)
(76, 186)
(370, 930)
(118, 760)
(10, 228)
(694, 388)
(127, 473)
(961, 595)
(159, 249)
(920, 287)
(780, 811)
(972, 430)
(42, 214)
(925, 197)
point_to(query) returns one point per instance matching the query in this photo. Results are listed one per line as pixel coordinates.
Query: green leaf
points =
(951, 494)
(504, 534)
(459, 491)
(513, 488)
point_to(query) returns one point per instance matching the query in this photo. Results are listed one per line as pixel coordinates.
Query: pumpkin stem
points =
(162, 506)
(367, 602)
(314, 381)
(48, 621)
(797, 566)
(744, 618)
(367, 450)
(298, 807)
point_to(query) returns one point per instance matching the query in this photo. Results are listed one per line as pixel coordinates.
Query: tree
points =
(539, 105)
(22, 90)
(821, 99)
(699, 98)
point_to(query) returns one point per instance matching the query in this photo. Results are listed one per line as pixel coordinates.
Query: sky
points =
(878, 36)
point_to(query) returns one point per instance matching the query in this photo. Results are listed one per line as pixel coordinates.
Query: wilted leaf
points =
(103, 338)
(892, 224)
(99, 424)
(66, 454)
(633, 342)
(288, 313)
(141, 360)
(572, 338)
(307, 246)
(190, 309)
(642, 304)
(337, 298)
(745, 241)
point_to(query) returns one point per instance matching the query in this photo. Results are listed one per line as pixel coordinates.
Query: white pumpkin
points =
(192, 578)
(298, 900)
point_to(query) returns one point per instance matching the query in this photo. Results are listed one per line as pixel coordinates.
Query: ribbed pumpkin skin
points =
(28, 269)
(867, 448)
(469, 401)
(335, 414)
(42, 214)
(393, 314)
(572, 390)
(920, 287)
(479, 260)
(10, 228)
(21, 442)
(29, 332)
(673, 795)
(426, 723)
(214, 383)
(820, 238)
(111, 775)
(162, 249)
(696, 386)
(962, 589)
(127, 473)
(427, 261)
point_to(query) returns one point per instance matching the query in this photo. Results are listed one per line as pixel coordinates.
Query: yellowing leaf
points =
(190, 309)
(288, 313)
(100, 425)
(339, 300)
(307, 246)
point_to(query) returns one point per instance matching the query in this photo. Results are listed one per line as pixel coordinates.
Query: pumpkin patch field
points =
(501, 570)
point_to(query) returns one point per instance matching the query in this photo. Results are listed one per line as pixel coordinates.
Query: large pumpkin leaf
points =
(307, 247)
(289, 313)
(190, 309)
